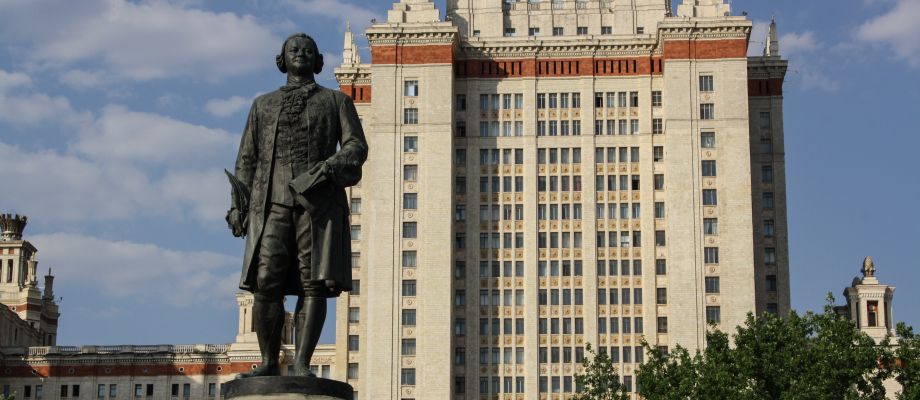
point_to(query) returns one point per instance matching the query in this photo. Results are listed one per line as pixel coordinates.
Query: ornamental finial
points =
(868, 268)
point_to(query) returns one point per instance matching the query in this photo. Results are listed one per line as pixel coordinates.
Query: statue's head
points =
(299, 51)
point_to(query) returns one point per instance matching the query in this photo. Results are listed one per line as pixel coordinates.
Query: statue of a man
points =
(302, 146)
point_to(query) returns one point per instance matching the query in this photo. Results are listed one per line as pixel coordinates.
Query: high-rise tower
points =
(548, 174)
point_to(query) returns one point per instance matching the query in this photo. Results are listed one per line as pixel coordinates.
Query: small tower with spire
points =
(771, 44)
(19, 289)
(869, 303)
(350, 54)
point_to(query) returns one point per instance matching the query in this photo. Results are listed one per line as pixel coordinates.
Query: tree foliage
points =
(600, 381)
(907, 367)
(812, 356)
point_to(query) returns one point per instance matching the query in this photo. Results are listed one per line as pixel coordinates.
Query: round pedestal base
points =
(286, 388)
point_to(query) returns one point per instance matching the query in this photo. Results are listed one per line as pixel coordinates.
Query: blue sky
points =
(117, 118)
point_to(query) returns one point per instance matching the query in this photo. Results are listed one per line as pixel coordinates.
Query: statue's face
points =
(299, 56)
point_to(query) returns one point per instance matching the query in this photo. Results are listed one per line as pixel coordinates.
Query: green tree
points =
(813, 356)
(600, 381)
(907, 368)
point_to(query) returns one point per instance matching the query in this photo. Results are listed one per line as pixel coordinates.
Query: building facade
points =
(549, 174)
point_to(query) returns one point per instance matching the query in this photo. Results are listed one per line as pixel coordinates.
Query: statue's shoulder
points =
(268, 100)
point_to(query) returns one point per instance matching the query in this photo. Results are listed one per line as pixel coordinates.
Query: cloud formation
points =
(342, 11)
(226, 107)
(793, 43)
(897, 29)
(121, 269)
(123, 135)
(135, 41)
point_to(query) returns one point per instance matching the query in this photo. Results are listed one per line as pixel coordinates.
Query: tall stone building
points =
(30, 315)
(548, 174)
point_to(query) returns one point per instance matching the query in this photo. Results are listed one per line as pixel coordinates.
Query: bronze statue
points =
(302, 146)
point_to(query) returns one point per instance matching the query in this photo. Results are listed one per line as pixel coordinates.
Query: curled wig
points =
(318, 61)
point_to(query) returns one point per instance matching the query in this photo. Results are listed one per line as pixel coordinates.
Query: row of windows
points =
(560, 268)
(496, 355)
(623, 298)
(559, 211)
(609, 155)
(496, 128)
(559, 128)
(517, 387)
(503, 184)
(564, 240)
(565, 326)
(618, 99)
(493, 326)
(626, 182)
(560, 354)
(558, 100)
(610, 267)
(627, 352)
(496, 156)
(627, 210)
(616, 326)
(111, 390)
(493, 101)
(559, 183)
(559, 156)
(493, 269)
(563, 297)
(497, 297)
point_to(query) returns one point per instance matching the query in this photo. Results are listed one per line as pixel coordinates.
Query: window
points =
(769, 228)
(711, 255)
(64, 390)
(352, 371)
(657, 126)
(354, 343)
(709, 168)
(662, 324)
(659, 209)
(708, 140)
(660, 238)
(410, 88)
(639, 31)
(461, 129)
(354, 315)
(138, 390)
(410, 172)
(765, 120)
(766, 145)
(713, 314)
(656, 98)
(766, 174)
(706, 83)
(410, 144)
(356, 205)
(767, 201)
(410, 230)
(773, 308)
(710, 226)
(712, 285)
(355, 288)
(408, 288)
(356, 232)
(771, 283)
(149, 391)
(518, 103)
(212, 390)
(100, 391)
(661, 296)
(582, 30)
(510, 32)
(634, 99)
(606, 30)
(408, 318)
(558, 31)
(113, 390)
(461, 102)
(659, 181)
(658, 153)
(661, 267)
(408, 347)
(709, 197)
(533, 32)
(707, 111)
(410, 201)
(769, 255)
(410, 116)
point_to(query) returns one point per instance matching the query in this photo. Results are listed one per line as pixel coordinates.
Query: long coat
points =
(332, 122)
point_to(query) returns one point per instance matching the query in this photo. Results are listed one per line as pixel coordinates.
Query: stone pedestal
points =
(286, 388)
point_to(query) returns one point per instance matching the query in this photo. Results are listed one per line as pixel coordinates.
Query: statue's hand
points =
(235, 223)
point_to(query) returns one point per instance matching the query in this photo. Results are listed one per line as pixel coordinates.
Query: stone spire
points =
(11, 227)
(703, 9)
(771, 45)
(350, 54)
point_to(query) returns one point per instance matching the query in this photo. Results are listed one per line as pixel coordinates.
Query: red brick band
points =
(765, 87)
(425, 54)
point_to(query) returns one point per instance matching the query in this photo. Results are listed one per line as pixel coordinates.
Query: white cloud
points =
(226, 107)
(35, 108)
(122, 269)
(137, 41)
(83, 79)
(123, 135)
(67, 188)
(898, 29)
(9, 80)
(203, 194)
(360, 17)
(792, 43)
